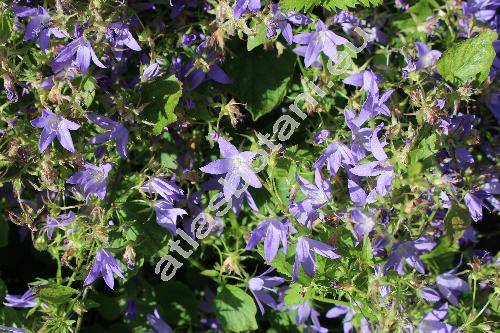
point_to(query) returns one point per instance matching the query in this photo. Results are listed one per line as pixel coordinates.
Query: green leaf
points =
(471, 58)
(260, 79)
(457, 219)
(179, 302)
(367, 251)
(56, 294)
(161, 97)
(294, 295)
(5, 26)
(258, 39)
(88, 92)
(235, 309)
(426, 148)
(303, 5)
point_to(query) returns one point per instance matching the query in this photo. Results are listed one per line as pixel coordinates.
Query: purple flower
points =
(347, 20)
(374, 106)
(57, 223)
(158, 324)
(168, 190)
(484, 10)
(116, 131)
(241, 6)
(366, 79)
(320, 136)
(130, 309)
(192, 77)
(305, 255)
(363, 224)
(119, 36)
(104, 265)
(335, 155)
(11, 329)
(463, 157)
(189, 39)
(322, 40)
(262, 286)
(408, 251)
(433, 321)
(26, 300)
(451, 286)
(54, 126)
(235, 165)
(402, 4)
(317, 194)
(410, 66)
(77, 53)
(348, 322)
(474, 203)
(274, 232)
(167, 214)
(92, 179)
(305, 311)
(284, 22)
(426, 57)
(237, 202)
(39, 26)
(10, 88)
(429, 294)
(152, 71)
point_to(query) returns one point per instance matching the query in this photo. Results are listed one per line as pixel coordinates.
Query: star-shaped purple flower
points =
(451, 286)
(152, 71)
(426, 57)
(241, 6)
(92, 179)
(322, 40)
(54, 126)
(433, 321)
(26, 300)
(305, 255)
(39, 27)
(77, 53)
(318, 194)
(274, 232)
(158, 324)
(104, 265)
(410, 252)
(167, 214)
(306, 311)
(116, 131)
(349, 312)
(57, 223)
(237, 166)
(262, 286)
(284, 22)
(334, 156)
(120, 37)
(168, 190)
(367, 79)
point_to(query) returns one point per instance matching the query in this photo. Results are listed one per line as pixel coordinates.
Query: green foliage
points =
(161, 97)
(5, 25)
(333, 5)
(456, 221)
(235, 309)
(261, 80)
(471, 58)
(56, 294)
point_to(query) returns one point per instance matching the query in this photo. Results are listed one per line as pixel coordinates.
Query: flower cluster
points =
(235, 166)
